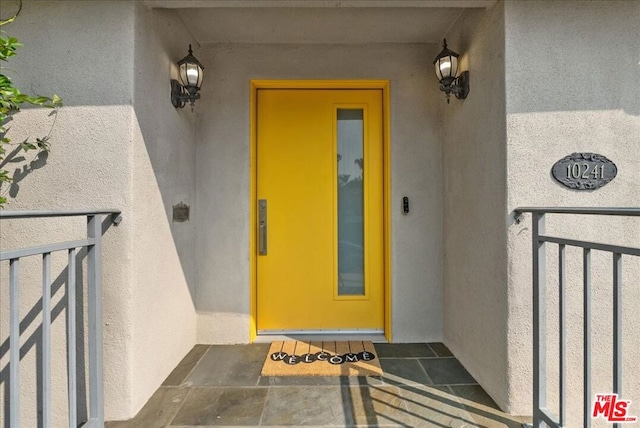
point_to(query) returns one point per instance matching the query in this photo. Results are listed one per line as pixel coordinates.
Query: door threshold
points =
(325, 336)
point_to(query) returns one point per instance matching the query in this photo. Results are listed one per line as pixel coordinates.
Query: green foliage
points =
(11, 98)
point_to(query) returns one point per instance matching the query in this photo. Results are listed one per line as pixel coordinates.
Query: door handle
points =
(262, 227)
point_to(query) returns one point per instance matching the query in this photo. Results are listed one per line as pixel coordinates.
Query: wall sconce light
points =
(191, 77)
(446, 64)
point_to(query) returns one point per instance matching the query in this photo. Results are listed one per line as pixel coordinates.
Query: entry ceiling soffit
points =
(318, 21)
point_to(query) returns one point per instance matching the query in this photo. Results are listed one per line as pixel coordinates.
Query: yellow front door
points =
(320, 261)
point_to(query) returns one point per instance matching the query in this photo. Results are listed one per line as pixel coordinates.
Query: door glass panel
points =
(350, 202)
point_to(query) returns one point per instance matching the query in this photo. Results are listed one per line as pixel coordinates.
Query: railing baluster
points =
(71, 339)
(14, 345)
(94, 284)
(587, 336)
(562, 347)
(46, 339)
(617, 325)
(540, 413)
(93, 243)
(539, 318)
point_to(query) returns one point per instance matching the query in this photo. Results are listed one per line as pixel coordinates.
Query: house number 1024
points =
(581, 170)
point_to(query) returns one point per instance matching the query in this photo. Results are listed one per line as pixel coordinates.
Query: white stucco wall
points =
(474, 187)
(163, 175)
(117, 143)
(540, 90)
(223, 293)
(570, 68)
(88, 167)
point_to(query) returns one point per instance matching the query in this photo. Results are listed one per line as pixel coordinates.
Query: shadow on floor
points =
(423, 385)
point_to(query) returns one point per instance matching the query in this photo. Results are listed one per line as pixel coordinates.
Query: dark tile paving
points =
(441, 350)
(319, 380)
(404, 350)
(446, 371)
(376, 406)
(221, 365)
(423, 386)
(185, 366)
(293, 406)
(404, 371)
(483, 409)
(161, 408)
(433, 406)
(222, 406)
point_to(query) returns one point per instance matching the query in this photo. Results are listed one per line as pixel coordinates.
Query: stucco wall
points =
(570, 73)
(223, 294)
(163, 175)
(64, 55)
(119, 143)
(474, 161)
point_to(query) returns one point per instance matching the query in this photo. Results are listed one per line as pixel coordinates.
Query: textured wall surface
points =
(88, 167)
(474, 161)
(560, 57)
(223, 177)
(117, 143)
(163, 175)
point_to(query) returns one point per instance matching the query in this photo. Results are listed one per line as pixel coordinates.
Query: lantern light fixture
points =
(190, 71)
(446, 67)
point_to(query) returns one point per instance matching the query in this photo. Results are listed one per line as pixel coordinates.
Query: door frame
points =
(382, 85)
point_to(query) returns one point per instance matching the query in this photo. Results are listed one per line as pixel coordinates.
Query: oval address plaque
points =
(584, 171)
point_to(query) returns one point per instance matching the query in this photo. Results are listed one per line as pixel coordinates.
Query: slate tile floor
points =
(423, 385)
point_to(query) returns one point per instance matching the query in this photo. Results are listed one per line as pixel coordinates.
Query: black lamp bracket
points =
(459, 87)
(180, 95)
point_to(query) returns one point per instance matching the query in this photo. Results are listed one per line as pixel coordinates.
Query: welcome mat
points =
(298, 358)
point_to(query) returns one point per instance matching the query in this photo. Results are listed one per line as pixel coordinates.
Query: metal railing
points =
(93, 245)
(541, 413)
